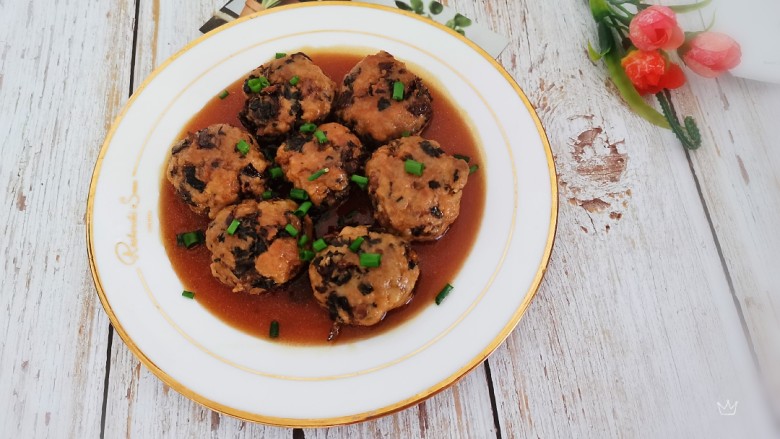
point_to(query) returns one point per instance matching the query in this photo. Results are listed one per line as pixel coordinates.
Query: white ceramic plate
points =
(232, 372)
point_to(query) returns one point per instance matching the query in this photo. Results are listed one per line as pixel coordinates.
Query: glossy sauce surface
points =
(301, 319)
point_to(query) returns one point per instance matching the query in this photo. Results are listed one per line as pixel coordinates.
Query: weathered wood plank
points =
(63, 76)
(634, 332)
(136, 396)
(738, 169)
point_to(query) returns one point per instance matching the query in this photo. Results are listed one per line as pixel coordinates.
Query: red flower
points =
(711, 53)
(656, 28)
(650, 72)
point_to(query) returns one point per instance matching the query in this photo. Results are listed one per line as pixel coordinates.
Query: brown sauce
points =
(301, 320)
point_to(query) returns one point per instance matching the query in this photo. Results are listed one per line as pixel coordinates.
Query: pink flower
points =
(711, 53)
(650, 72)
(656, 28)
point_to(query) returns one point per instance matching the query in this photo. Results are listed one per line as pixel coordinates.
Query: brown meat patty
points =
(292, 91)
(260, 254)
(423, 207)
(358, 295)
(209, 170)
(303, 157)
(366, 105)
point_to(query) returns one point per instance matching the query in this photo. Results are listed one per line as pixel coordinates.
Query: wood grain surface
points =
(660, 301)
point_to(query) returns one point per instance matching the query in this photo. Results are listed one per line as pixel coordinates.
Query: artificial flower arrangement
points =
(636, 47)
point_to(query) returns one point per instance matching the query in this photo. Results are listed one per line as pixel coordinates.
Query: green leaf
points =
(270, 3)
(450, 24)
(594, 55)
(402, 5)
(461, 31)
(629, 93)
(435, 7)
(462, 21)
(681, 9)
(417, 6)
(600, 10)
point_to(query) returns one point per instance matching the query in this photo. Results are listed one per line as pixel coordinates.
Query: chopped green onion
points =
(273, 331)
(465, 158)
(257, 84)
(190, 239)
(280, 55)
(406, 134)
(298, 194)
(306, 255)
(359, 180)
(223, 94)
(303, 240)
(267, 195)
(242, 147)
(321, 137)
(289, 228)
(319, 245)
(370, 259)
(414, 167)
(233, 227)
(188, 294)
(398, 91)
(318, 174)
(443, 294)
(355, 246)
(295, 80)
(308, 127)
(473, 169)
(303, 209)
(276, 172)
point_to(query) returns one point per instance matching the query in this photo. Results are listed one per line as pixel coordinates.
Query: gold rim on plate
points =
(326, 422)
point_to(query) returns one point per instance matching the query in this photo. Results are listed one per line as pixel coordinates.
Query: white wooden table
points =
(661, 298)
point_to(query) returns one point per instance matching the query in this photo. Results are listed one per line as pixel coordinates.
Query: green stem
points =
(681, 9)
(688, 135)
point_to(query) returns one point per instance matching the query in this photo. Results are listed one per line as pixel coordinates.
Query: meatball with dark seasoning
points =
(251, 249)
(215, 167)
(366, 104)
(285, 93)
(321, 168)
(422, 207)
(358, 295)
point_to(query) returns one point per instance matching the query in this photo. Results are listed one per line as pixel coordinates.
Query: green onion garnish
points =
(398, 91)
(321, 137)
(473, 169)
(223, 94)
(257, 84)
(233, 227)
(276, 172)
(188, 294)
(308, 127)
(318, 174)
(295, 80)
(465, 158)
(319, 245)
(267, 195)
(303, 240)
(443, 294)
(273, 332)
(406, 134)
(360, 180)
(370, 259)
(298, 194)
(190, 239)
(242, 147)
(306, 255)
(280, 55)
(289, 228)
(414, 167)
(303, 209)
(355, 246)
